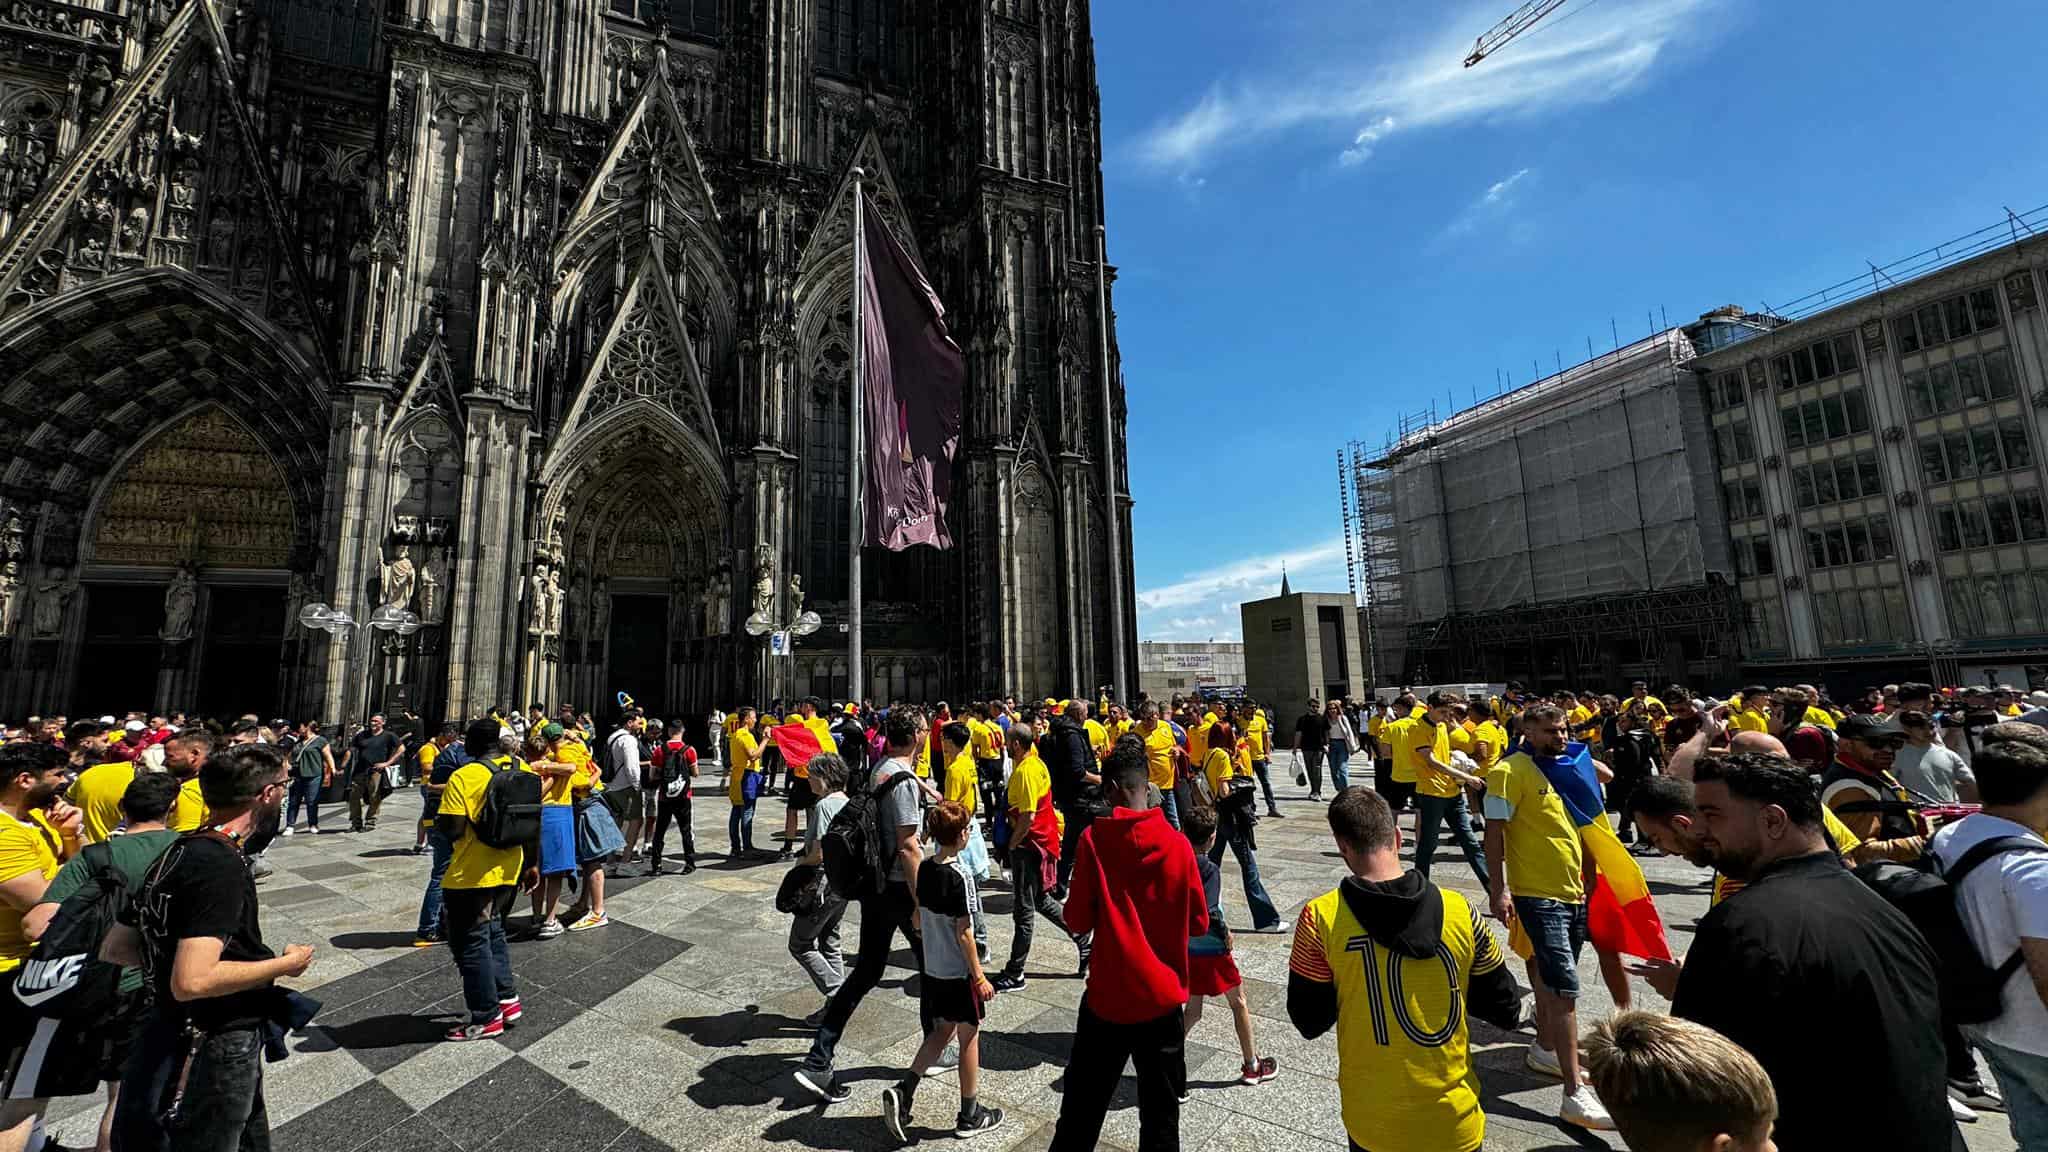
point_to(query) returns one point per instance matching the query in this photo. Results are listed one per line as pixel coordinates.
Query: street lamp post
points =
(335, 622)
(761, 624)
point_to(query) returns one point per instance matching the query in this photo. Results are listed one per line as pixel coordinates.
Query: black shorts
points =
(952, 1000)
(800, 797)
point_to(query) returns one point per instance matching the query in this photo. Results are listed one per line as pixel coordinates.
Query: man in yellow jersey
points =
(1258, 736)
(1381, 958)
(985, 742)
(1159, 751)
(1439, 784)
(1540, 876)
(744, 756)
(97, 794)
(1750, 710)
(184, 754)
(1098, 736)
(1639, 695)
(1036, 828)
(1397, 762)
(1815, 714)
(480, 884)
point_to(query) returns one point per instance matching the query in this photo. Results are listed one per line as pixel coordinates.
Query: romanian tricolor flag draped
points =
(1620, 915)
(797, 742)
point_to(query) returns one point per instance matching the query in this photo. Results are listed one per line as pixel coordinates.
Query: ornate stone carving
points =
(1893, 434)
(1773, 462)
(1907, 498)
(796, 595)
(537, 601)
(1753, 368)
(433, 578)
(205, 492)
(1795, 582)
(721, 602)
(180, 600)
(1873, 336)
(1920, 567)
(2019, 290)
(1782, 520)
(764, 579)
(398, 579)
(10, 592)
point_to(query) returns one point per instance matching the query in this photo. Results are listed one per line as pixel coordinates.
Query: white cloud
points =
(1423, 84)
(1203, 605)
(1496, 203)
(1362, 144)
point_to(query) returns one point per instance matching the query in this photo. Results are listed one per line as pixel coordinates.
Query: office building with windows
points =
(1880, 463)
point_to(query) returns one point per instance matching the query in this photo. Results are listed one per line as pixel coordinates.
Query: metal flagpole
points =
(1113, 528)
(856, 458)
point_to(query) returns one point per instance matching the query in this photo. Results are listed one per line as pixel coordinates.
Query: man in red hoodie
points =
(1135, 886)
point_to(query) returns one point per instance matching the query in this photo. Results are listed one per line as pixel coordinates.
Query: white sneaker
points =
(1583, 1108)
(1542, 1060)
(286, 831)
(1962, 1112)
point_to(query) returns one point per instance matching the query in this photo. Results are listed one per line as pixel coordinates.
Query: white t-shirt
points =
(2006, 898)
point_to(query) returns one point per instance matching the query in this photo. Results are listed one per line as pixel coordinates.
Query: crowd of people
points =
(1879, 879)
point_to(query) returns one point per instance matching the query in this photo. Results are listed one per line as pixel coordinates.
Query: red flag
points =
(796, 742)
(915, 377)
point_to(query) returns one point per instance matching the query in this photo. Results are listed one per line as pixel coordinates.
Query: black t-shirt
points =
(374, 748)
(202, 888)
(1313, 729)
(941, 889)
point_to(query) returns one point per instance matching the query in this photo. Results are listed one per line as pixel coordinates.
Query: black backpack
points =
(1971, 989)
(64, 978)
(853, 844)
(510, 814)
(607, 763)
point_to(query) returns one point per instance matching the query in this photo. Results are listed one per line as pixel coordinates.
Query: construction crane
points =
(1518, 22)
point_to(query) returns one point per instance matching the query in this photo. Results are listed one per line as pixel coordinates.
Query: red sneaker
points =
(510, 1011)
(465, 1032)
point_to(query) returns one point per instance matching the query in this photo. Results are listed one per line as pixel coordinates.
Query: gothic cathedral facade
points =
(531, 320)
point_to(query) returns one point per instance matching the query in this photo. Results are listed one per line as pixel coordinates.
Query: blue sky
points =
(1322, 221)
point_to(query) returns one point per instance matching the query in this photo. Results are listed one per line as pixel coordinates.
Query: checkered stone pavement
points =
(677, 1027)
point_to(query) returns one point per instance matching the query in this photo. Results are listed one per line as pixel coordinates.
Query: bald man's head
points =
(1758, 742)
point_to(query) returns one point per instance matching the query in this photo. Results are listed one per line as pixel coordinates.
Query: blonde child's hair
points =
(1672, 1085)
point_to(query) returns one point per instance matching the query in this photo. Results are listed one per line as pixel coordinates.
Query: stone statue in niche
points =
(600, 609)
(180, 600)
(399, 578)
(433, 587)
(796, 595)
(721, 603)
(578, 610)
(10, 587)
(51, 597)
(703, 608)
(538, 595)
(764, 579)
(298, 589)
(554, 601)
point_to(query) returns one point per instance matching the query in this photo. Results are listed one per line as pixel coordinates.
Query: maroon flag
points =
(915, 375)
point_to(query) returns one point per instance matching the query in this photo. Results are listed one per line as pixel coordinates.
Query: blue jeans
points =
(1340, 755)
(1432, 812)
(1557, 932)
(1259, 768)
(740, 826)
(2023, 1078)
(1169, 803)
(1232, 828)
(430, 904)
(305, 790)
(470, 918)
(223, 1107)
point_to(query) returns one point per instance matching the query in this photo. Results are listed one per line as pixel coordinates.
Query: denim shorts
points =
(1558, 932)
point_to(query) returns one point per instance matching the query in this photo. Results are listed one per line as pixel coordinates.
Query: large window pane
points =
(1823, 360)
(2020, 603)
(2012, 437)
(1995, 619)
(1859, 541)
(1931, 332)
(2040, 583)
(1962, 607)
(1976, 529)
(1859, 412)
(1829, 617)
(1763, 562)
(1962, 462)
(1897, 625)
(2003, 528)
(1838, 546)
(1802, 367)
(1933, 465)
(1845, 353)
(1816, 550)
(1919, 397)
(1781, 371)
(1943, 378)
(1881, 547)
(1904, 334)
(1957, 314)
(1873, 616)
(1948, 532)
(1745, 444)
(1970, 379)
(1752, 498)
(1795, 434)
(1816, 425)
(1846, 483)
(1837, 419)
(1869, 479)
(1824, 483)
(1802, 487)
(1984, 445)
(1984, 309)
(2033, 521)
(1998, 375)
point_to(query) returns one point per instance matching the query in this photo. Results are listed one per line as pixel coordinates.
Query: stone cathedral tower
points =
(531, 317)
